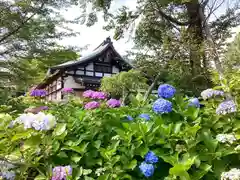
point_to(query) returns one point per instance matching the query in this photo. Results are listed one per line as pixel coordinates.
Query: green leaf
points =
(179, 170)
(87, 171)
(79, 149)
(32, 143)
(40, 177)
(76, 158)
(104, 177)
(59, 130)
(203, 169)
(22, 135)
(131, 165)
(177, 127)
(208, 140)
(97, 144)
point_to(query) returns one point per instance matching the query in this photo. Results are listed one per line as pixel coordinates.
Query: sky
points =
(94, 35)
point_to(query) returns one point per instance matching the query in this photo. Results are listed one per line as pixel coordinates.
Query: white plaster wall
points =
(89, 67)
(59, 93)
(59, 83)
(70, 83)
(115, 69)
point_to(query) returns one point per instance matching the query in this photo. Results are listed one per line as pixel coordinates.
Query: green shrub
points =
(106, 144)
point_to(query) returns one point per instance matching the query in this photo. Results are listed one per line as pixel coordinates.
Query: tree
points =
(124, 83)
(29, 31)
(177, 23)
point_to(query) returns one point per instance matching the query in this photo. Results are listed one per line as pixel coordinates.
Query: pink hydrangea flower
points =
(113, 103)
(99, 95)
(67, 90)
(88, 93)
(61, 172)
(92, 105)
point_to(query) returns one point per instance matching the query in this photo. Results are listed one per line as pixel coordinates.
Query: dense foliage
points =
(94, 138)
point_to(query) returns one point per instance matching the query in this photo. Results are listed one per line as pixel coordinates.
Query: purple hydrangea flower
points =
(209, 93)
(162, 106)
(92, 105)
(61, 172)
(146, 169)
(67, 90)
(166, 91)
(130, 118)
(99, 95)
(226, 107)
(194, 102)
(38, 93)
(151, 158)
(88, 93)
(113, 103)
(145, 116)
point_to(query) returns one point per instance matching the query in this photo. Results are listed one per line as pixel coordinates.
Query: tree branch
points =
(168, 17)
(20, 26)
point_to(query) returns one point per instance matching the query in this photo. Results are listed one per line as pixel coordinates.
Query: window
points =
(89, 73)
(103, 68)
(98, 74)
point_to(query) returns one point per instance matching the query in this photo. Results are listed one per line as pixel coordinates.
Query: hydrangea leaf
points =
(59, 130)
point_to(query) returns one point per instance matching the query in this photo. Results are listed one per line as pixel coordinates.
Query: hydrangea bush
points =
(95, 138)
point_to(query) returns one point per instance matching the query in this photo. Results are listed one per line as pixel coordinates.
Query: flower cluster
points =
(194, 102)
(162, 106)
(67, 90)
(150, 157)
(145, 116)
(112, 103)
(38, 93)
(226, 107)
(226, 138)
(99, 95)
(209, 93)
(166, 91)
(233, 174)
(147, 167)
(6, 171)
(130, 118)
(61, 172)
(39, 121)
(94, 94)
(92, 105)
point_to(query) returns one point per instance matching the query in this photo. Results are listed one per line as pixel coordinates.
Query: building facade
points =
(85, 73)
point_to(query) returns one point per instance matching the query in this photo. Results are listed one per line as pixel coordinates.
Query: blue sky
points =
(94, 35)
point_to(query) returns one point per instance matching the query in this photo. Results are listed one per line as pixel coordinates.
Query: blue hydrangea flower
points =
(226, 107)
(145, 116)
(151, 158)
(194, 102)
(130, 118)
(146, 169)
(162, 106)
(166, 91)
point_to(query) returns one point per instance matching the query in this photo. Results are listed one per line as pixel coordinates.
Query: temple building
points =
(85, 73)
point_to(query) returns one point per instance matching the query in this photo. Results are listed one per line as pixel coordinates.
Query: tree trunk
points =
(195, 36)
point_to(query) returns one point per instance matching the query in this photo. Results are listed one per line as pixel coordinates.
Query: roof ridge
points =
(106, 41)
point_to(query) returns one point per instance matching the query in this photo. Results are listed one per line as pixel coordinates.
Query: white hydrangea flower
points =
(226, 138)
(39, 121)
(233, 174)
(209, 93)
